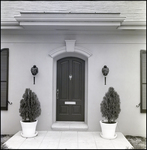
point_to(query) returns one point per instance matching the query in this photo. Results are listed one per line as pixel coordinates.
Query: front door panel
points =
(70, 89)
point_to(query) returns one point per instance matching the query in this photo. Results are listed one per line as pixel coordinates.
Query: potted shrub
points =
(29, 110)
(110, 109)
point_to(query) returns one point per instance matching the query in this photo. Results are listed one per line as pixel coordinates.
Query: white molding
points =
(54, 83)
(57, 51)
(133, 25)
(35, 19)
(10, 25)
(79, 23)
(65, 12)
(69, 16)
(132, 28)
(71, 20)
(70, 47)
(82, 51)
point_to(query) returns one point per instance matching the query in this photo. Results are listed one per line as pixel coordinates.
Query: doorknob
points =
(70, 76)
(57, 94)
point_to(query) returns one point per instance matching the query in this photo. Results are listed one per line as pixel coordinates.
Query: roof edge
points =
(58, 12)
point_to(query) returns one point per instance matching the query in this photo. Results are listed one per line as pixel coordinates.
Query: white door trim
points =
(73, 52)
(70, 47)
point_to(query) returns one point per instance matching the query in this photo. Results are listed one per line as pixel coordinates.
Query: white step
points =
(72, 126)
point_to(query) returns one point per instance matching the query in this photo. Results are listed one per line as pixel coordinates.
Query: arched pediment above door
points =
(70, 47)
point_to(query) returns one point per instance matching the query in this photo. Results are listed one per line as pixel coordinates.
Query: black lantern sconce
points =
(34, 71)
(105, 71)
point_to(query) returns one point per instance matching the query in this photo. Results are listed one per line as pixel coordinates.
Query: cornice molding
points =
(69, 19)
(133, 25)
(10, 25)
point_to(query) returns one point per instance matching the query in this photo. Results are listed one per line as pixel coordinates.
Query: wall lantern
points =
(34, 71)
(105, 71)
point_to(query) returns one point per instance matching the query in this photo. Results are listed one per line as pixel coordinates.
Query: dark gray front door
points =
(70, 89)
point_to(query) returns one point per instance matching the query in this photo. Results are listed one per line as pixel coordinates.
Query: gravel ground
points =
(137, 142)
(4, 138)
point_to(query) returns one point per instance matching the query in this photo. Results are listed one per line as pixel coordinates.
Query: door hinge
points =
(57, 94)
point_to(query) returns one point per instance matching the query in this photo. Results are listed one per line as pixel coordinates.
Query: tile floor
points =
(67, 140)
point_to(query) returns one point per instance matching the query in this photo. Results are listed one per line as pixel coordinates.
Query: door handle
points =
(70, 76)
(57, 94)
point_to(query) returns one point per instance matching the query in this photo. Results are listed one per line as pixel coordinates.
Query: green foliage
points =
(110, 106)
(29, 106)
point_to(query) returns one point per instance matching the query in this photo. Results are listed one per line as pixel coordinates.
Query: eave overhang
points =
(69, 19)
(10, 25)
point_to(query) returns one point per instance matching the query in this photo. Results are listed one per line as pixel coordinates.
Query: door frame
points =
(55, 59)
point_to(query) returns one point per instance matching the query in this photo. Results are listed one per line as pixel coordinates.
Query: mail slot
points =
(70, 103)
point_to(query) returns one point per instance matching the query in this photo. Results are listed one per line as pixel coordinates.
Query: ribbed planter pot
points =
(108, 130)
(29, 128)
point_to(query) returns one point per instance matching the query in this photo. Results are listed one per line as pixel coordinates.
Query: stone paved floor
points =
(67, 140)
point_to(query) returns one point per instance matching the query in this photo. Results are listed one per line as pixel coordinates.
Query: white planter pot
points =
(29, 129)
(108, 130)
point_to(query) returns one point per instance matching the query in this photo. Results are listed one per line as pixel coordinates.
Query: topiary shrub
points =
(110, 106)
(29, 106)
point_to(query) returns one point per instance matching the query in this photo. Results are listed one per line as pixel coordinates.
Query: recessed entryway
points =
(79, 53)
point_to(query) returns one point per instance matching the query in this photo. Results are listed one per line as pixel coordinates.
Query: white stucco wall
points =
(120, 52)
